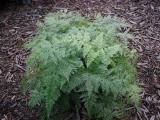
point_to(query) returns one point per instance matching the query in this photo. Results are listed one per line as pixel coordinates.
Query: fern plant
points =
(88, 60)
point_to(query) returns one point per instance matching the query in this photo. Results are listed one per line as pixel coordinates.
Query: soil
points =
(18, 24)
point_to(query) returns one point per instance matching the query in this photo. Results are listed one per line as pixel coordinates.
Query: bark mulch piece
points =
(18, 24)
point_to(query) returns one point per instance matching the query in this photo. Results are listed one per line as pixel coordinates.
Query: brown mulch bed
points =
(17, 25)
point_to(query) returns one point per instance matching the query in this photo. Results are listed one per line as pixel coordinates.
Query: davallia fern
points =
(88, 59)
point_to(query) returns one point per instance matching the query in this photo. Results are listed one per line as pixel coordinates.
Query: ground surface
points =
(17, 25)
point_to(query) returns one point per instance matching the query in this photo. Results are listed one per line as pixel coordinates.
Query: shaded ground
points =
(18, 23)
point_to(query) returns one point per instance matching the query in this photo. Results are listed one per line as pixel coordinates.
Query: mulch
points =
(18, 24)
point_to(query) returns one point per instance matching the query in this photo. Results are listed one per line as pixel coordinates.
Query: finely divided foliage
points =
(88, 60)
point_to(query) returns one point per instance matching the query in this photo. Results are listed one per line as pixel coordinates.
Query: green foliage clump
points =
(85, 63)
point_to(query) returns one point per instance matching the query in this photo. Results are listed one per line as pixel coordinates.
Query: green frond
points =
(85, 62)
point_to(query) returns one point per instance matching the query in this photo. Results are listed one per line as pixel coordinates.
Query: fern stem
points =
(84, 62)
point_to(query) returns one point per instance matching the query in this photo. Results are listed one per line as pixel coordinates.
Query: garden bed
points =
(17, 25)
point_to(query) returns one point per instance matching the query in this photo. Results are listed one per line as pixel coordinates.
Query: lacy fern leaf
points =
(71, 55)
